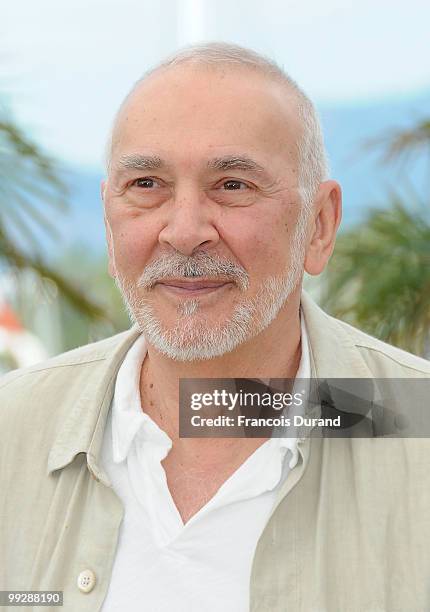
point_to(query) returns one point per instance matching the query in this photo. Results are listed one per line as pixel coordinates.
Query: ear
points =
(327, 215)
(109, 238)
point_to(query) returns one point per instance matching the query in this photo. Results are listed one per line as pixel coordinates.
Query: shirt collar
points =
(85, 412)
(128, 418)
(127, 415)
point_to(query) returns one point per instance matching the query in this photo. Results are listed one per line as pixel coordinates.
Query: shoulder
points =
(62, 369)
(382, 358)
(82, 355)
(343, 351)
(58, 399)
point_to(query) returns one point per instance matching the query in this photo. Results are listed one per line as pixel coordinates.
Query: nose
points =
(190, 223)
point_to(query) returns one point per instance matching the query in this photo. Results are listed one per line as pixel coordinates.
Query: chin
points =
(194, 337)
(188, 332)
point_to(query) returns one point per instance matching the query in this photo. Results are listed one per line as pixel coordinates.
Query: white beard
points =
(192, 338)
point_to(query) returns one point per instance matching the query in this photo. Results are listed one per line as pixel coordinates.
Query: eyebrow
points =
(140, 162)
(245, 163)
(235, 162)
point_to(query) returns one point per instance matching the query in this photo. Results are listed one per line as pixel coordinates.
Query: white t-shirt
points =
(162, 565)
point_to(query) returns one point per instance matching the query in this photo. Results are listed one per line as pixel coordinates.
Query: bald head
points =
(227, 59)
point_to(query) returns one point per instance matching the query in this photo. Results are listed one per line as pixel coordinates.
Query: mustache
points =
(202, 264)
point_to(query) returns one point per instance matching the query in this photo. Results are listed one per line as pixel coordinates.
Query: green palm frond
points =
(404, 144)
(30, 185)
(21, 261)
(17, 147)
(379, 276)
(31, 190)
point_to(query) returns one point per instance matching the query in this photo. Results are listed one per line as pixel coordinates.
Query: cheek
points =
(261, 242)
(133, 242)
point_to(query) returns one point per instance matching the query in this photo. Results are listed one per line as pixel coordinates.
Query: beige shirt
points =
(350, 530)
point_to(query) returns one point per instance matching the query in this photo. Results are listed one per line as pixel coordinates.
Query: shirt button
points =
(86, 581)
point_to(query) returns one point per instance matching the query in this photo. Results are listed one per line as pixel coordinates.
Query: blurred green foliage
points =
(91, 276)
(379, 275)
(31, 190)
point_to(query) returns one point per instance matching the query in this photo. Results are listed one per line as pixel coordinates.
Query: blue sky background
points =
(67, 65)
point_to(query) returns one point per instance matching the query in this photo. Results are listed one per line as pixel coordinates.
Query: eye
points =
(146, 183)
(147, 191)
(234, 192)
(234, 185)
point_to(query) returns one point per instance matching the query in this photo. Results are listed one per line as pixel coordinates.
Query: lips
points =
(194, 285)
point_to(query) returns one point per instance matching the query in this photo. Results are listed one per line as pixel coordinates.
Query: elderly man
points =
(216, 202)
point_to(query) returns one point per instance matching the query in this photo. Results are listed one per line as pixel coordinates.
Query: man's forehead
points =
(189, 83)
(197, 72)
(223, 104)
